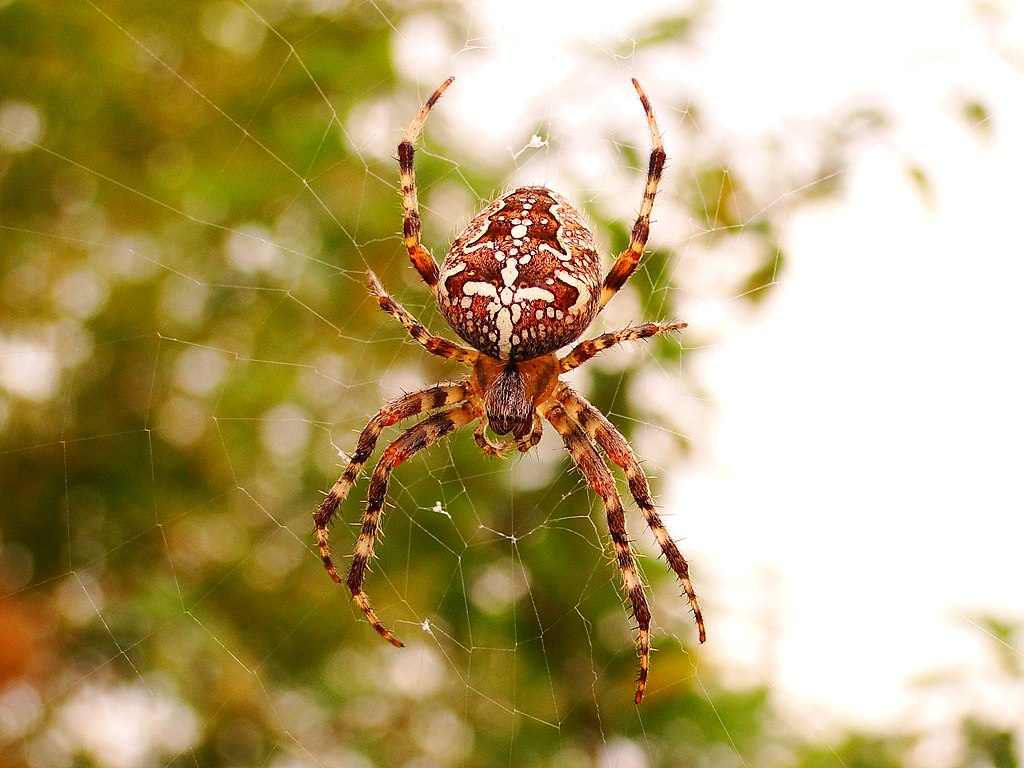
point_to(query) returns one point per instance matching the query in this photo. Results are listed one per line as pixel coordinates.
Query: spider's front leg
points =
(615, 446)
(412, 441)
(397, 410)
(599, 477)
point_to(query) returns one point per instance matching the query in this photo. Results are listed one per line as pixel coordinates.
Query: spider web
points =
(192, 352)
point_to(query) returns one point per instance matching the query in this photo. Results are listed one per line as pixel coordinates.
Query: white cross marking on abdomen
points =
(506, 307)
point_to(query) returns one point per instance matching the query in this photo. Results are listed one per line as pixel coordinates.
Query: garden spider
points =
(522, 281)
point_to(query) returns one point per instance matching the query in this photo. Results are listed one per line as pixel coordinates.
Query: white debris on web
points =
(535, 142)
(439, 509)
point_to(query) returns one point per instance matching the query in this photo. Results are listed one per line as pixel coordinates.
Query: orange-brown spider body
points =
(522, 281)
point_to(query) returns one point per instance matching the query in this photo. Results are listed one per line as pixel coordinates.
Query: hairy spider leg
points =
(393, 412)
(412, 441)
(420, 256)
(435, 345)
(615, 446)
(628, 260)
(585, 350)
(584, 454)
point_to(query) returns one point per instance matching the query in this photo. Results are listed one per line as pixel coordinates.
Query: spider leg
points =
(500, 449)
(585, 350)
(627, 261)
(411, 442)
(611, 441)
(436, 345)
(420, 256)
(398, 409)
(597, 474)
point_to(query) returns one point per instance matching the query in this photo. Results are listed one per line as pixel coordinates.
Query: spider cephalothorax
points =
(521, 282)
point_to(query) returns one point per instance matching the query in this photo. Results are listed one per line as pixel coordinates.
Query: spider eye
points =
(508, 408)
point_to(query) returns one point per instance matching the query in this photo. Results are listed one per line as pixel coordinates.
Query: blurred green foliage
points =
(185, 222)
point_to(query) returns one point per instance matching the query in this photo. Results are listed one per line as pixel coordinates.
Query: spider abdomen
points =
(524, 278)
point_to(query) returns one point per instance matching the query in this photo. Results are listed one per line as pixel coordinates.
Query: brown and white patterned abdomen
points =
(524, 278)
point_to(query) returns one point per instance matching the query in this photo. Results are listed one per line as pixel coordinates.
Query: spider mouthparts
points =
(508, 408)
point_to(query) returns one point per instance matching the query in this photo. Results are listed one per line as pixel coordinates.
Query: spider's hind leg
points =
(586, 350)
(627, 261)
(420, 256)
(435, 345)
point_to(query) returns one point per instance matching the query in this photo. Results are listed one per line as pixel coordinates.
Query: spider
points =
(522, 281)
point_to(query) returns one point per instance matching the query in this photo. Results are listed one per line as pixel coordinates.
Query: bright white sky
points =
(866, 450)
(876, 465)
